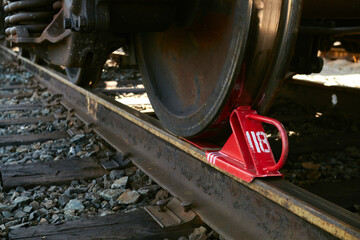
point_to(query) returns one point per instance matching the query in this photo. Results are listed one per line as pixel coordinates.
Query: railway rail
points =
(263, 209)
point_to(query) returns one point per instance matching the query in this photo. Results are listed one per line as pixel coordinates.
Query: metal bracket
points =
(247, 153)
(173, 214)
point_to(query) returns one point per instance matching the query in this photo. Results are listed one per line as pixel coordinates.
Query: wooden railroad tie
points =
(28, 120)
(17, 95)
(32, 138)
(50, 173)
(14, 87)
(20, 107)
(132, 225)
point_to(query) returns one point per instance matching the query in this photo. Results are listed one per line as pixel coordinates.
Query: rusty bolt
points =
(187, 205)
(162, 204)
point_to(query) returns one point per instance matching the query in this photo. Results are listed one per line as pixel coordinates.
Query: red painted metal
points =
(247, 153)
(284, 140)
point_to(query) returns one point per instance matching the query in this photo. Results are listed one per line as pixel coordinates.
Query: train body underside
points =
(199, 59)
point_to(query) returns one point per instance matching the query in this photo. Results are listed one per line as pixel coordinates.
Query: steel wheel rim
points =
(176, 115)
(246, 88)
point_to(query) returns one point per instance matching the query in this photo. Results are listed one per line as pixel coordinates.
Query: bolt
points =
(187, 205)
(162, 204)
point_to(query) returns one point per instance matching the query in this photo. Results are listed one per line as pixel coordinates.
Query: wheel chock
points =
(247, 153)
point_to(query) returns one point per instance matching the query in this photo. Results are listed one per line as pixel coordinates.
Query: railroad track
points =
(54, 169)
(263, 209)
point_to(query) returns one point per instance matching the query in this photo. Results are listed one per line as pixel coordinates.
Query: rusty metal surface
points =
(262, 210)
(188, 71)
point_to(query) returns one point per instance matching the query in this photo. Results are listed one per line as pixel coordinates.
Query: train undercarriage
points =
(199, 59)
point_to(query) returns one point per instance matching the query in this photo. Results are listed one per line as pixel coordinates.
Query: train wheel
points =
(84, 76)
(235, 52)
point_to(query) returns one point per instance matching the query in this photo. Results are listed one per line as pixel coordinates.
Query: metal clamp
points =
(172, 213)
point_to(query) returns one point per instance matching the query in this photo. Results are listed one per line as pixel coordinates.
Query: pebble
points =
(161, 194)
(198, 234)
(21, 200)
(105, 212)
(35, 205)
(46, 158)
(7, 214)
(25, 224)
(128, 197)
(22, 149)
(111, 194)
(115, 174)
(4, 207)
(77, 138)
(48, 204)
(71, 215)
(130, 171)
(19, 214)
(311, 165)
(20, 189)
(74, 204)
(72, 151)
(120, 183)
(63, 199)
(2, 227)
(28, 209)
(148, 189)
(75, 190)
(55, 218)
(43, 221)
(11, 223)
(14, 195)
